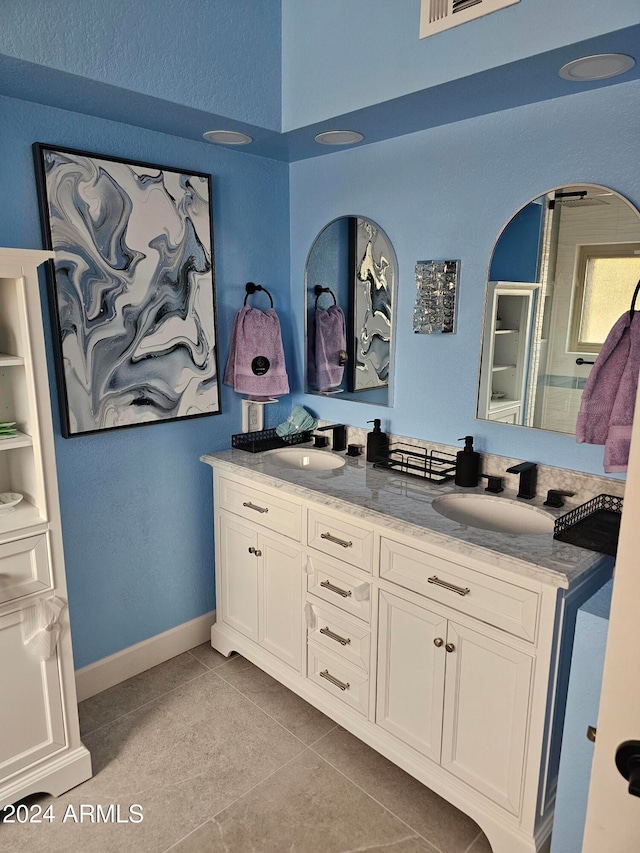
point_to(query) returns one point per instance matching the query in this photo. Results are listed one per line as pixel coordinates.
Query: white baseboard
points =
(118, 667)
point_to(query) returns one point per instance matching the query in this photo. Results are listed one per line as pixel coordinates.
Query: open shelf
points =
(10, 360)
(24, 515)
(20, 439)
(498, 367)
(506, 331)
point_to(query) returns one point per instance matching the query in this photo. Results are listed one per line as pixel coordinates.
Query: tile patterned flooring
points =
(222, 757)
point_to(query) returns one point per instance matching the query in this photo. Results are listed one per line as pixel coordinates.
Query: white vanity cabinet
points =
(261, 572)
(447, 662)
(464, 705)
(40, 747)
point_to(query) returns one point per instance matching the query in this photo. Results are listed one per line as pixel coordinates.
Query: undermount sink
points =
(304, 459)
(491, 513)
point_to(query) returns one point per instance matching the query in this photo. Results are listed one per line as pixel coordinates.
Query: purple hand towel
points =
(256, 357)
(616, 448)
(601, 387)
(608, 399)
(330, 345)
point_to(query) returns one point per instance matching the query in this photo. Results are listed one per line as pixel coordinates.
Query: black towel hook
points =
(251, 288)
(319, 290)
(632, 310)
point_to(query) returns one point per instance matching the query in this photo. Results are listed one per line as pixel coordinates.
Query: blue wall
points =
(341, 56)
(214, 55)
(517, 253)
(447, 193)
(137, 504)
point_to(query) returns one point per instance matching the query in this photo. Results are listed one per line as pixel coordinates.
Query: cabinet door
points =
(485, 714)
(411, 665)
(238, 567)
(280, 597)
(31, 720)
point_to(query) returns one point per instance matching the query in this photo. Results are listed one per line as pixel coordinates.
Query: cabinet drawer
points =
(505, 605)
(341, 539)
(24, 567)
(339, 588)
(339, 678)
(347, 638)
(269, 511)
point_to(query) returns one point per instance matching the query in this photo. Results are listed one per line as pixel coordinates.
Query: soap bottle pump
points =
(467, 464)
(377, 443)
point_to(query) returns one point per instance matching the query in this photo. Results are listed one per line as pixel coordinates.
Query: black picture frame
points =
(132, 289)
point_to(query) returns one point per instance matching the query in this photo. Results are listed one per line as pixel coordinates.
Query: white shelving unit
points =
(507, 339)
(40, 747)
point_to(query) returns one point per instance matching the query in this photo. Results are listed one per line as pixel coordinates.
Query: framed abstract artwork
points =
(132, 289)
(371, 306)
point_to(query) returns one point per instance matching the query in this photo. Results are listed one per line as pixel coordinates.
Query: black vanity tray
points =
(594, 525)
(430, 465)
(267, 439)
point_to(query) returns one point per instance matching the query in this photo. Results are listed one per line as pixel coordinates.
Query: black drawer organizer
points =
(436, 466)
(594, 525)
(267, 439)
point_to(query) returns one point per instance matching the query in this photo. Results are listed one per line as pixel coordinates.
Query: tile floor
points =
(223, 758)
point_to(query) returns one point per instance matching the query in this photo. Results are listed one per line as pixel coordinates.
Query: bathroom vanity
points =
(442, 646)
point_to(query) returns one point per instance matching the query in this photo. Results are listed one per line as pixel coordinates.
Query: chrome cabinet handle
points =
(452, 587)
(336, 541)
(255, 551)
(345, 593)
(438, 642)
(450, 647)
(342, 640)
(257, 508)
(343, 685)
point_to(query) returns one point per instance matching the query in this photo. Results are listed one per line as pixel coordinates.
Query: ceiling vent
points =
(438, 15)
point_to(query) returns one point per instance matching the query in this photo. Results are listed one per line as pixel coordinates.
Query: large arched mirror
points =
(562, 271)
(350, 281)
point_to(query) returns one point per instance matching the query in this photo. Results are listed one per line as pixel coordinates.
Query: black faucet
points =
(528, 477)
(339, 436)
(554, 498)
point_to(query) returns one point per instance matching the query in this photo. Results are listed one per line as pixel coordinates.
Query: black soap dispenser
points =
(377, 443)
(467, 464)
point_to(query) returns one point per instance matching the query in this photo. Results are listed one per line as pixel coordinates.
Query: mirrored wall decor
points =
(561, 273)
(350, 281)
(435, 308)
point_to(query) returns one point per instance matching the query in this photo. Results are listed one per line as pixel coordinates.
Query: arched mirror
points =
(562, 271)
(350, 281)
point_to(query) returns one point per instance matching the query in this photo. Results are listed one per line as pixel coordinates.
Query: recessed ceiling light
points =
(339, 137)
(227, 137)
(597, 67)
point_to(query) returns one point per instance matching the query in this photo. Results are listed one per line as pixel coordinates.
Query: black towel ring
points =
(251, 288)
(319, 290)
(632, 310)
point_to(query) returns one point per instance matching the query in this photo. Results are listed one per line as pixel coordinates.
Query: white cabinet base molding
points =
(459, 683)
(40, 747)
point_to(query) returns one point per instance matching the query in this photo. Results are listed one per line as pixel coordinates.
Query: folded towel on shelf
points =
(256, 363)
(298, 421)
(609, 396)
(330, 345)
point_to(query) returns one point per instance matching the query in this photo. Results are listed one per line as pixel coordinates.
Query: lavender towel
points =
(609, 396)
(256, 357)
(330, 344)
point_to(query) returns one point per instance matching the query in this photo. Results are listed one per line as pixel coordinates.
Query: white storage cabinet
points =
(40, 747)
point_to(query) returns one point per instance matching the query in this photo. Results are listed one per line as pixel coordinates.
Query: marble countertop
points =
(404, 504)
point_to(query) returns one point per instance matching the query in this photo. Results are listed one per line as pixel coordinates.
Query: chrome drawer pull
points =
(345, 593)
(336, 541)
(343, 685)
(336, 637)
(460, 590)
(249, 505)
